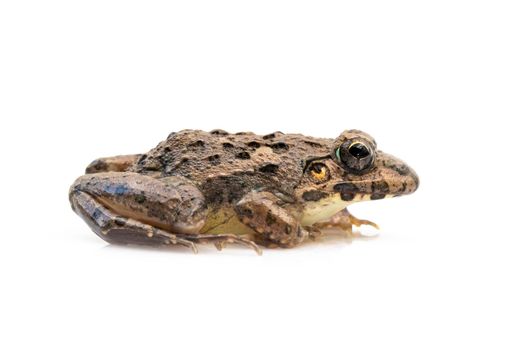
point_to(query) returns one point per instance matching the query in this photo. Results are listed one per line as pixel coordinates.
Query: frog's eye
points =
(356, 156)
(319, 172)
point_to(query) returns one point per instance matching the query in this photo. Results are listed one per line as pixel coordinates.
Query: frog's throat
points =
(317, 211)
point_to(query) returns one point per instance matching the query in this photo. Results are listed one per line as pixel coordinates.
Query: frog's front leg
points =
(265, 214)
(132, 208)
(344, 221)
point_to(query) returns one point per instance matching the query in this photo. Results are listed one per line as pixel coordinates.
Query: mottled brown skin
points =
(197, 187)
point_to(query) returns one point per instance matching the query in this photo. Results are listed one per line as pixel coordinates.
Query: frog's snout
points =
(410, 182)
(390, 177)
(394, 178)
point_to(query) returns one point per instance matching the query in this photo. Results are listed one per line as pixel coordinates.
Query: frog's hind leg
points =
(137, 209)
(114, 228)
(116, 163)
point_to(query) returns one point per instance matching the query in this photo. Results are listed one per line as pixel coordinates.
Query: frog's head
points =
(353, 171)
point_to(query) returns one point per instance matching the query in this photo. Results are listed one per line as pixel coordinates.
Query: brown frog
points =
(273, 190)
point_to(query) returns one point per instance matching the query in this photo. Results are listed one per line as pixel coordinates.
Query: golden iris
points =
(319, 172)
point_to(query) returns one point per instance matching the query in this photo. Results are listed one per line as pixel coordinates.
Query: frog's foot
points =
(220, 240)
(114, 228)
(345, 221)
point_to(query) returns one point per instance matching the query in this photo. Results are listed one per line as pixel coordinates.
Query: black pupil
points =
(318, 168)
(359, 150)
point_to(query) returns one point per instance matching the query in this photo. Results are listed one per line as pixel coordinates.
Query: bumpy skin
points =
(218, 187)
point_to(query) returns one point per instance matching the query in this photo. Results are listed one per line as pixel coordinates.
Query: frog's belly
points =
(225, 221)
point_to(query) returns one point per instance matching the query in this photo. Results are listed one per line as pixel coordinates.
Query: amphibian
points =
(216, 187)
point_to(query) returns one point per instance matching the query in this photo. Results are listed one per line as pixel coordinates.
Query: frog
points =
(273, 190)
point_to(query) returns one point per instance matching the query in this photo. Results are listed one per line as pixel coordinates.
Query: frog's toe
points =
(358, 222)
(345, 222)
(220, 241)
(185, 243)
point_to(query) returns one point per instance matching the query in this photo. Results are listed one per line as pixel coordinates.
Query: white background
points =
(439, 84)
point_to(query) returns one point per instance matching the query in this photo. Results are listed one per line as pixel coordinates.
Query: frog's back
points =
(240, 162)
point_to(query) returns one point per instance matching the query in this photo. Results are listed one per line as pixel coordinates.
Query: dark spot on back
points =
(243, 155)
(214, 159)
(198, 143)
(313, 196)
(254, 144)
(272, 135)
(222, 189)
(279, 147)
(313, 144)
(269, 168)
(227, 145)
(219, 132)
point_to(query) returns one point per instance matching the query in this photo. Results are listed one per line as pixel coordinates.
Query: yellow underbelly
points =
(225, 221)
